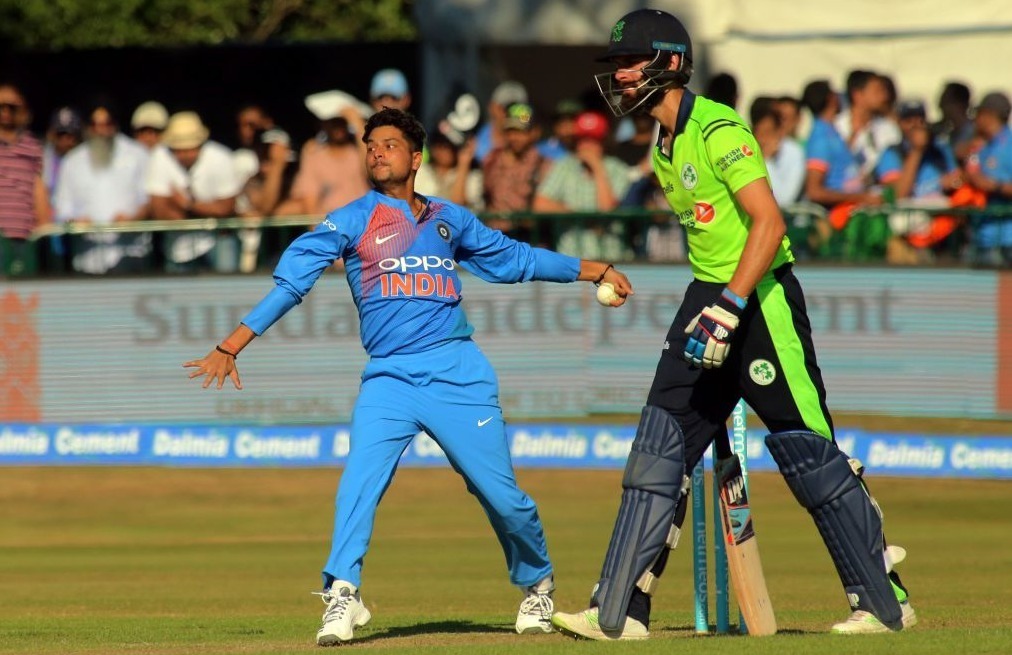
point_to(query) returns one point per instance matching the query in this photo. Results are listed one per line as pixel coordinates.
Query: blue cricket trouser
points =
(451, 392)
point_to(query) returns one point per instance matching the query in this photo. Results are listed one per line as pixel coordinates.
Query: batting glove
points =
(711, 331)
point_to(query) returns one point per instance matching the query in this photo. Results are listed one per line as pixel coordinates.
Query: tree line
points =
(83, 24)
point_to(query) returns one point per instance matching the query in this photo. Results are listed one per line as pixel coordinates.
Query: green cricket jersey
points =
(714, 156)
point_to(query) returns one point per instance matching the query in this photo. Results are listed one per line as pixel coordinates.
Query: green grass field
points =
(174, 561)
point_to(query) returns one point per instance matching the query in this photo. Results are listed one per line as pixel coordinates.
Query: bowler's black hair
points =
(403, 121)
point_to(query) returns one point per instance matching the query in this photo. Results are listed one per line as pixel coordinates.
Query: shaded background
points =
(214, 58)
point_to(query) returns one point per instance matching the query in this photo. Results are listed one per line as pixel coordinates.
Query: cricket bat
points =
(743, 563)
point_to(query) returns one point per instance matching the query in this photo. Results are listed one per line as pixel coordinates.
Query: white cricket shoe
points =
(344, 613)
(861, 622)
(535, 614)
(584, 624)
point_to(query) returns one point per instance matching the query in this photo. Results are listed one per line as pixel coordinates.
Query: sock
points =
(639, 607)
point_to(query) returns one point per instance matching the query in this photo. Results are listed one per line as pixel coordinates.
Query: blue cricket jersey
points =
(937, 161)
(995, 161)
(402, 273)
(826, 151)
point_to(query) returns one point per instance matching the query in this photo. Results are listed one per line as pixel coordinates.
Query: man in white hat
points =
(148, 122)
(190, 176)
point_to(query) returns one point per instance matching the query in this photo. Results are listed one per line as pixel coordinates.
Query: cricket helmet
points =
(653, 34)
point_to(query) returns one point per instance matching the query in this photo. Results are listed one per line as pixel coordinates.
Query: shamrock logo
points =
(616, 32)
(762, 372)
(689, 177)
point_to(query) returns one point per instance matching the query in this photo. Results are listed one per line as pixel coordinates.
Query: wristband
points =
(732, 302)
(598, 281)
(231, 346)
(225, 352)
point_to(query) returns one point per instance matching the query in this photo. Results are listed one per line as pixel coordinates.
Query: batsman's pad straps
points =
(673, 535)
(648, 581)
(821, 478)
(653, 481)
(858, 468)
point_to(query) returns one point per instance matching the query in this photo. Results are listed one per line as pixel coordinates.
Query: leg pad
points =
(824, 482)
(652, 487)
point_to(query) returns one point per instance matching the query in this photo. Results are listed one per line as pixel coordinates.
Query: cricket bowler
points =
(401, 252)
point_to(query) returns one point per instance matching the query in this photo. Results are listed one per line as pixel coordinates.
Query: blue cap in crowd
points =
(388, 82)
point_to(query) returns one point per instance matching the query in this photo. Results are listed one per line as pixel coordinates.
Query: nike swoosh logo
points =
(481, 424)
(381, 240)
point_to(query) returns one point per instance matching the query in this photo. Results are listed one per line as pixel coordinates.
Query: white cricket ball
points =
(606, 294)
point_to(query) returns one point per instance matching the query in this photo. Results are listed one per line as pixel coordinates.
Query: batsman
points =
(742, 331)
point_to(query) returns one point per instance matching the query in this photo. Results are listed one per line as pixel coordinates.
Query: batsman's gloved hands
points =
(711, 331)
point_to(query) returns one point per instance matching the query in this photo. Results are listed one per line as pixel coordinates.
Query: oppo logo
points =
(411, 262)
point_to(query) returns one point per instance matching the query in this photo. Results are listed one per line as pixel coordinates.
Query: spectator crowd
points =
(860, 174)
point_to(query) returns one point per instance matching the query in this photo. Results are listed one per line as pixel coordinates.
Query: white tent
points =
(772, 46)
(776, 46)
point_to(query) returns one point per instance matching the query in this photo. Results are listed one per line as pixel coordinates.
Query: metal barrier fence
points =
(893, 234)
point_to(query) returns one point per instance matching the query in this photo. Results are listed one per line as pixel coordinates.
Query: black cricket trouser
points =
(771, 364)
